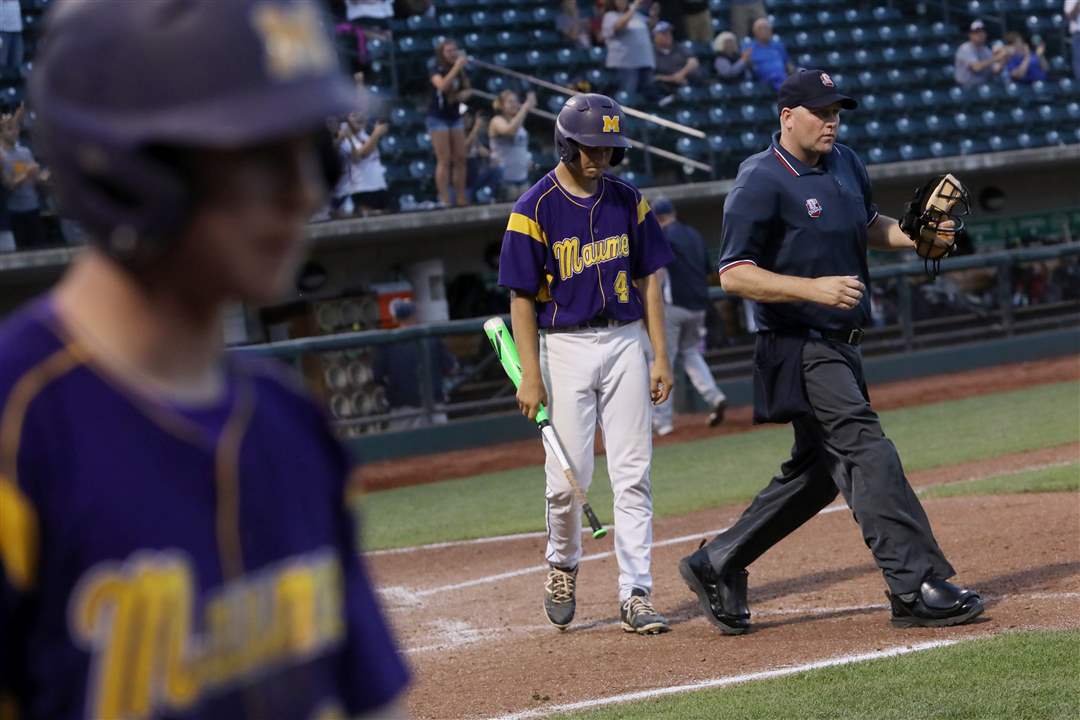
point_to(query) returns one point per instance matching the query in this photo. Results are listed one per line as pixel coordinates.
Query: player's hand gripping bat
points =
(506, 349)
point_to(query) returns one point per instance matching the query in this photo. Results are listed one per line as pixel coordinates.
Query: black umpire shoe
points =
(722, 596)
(936, 604)
(717, 415)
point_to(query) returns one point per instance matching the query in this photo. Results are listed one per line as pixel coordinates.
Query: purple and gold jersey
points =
(580, 256)
(156, 563)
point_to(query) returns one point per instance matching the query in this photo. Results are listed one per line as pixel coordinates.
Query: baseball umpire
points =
(174, 537)
(796, 229)
(580, 257)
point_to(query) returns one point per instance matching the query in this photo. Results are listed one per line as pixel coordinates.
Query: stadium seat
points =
(913, 151)
(720, 116)
(999, 143)
(1053, 137)
(597, 54)
(691, 118)
(962, 121)
(943, 149)
(691, 148)
(1025, 140)
(555, 103)
(880, 154)
(720, 91)
(1072, 110)
(571, 58)
(420, 169)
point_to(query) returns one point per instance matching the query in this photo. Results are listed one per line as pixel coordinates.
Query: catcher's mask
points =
(942, 199)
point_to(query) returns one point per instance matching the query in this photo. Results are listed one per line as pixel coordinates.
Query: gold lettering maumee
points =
(573, 257)
(150, 653)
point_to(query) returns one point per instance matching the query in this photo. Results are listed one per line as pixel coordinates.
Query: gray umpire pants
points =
(839, 446)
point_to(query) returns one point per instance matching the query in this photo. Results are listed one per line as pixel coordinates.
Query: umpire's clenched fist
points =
(838, 291)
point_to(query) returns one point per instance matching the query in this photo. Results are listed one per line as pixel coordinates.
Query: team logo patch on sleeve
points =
(813, 207)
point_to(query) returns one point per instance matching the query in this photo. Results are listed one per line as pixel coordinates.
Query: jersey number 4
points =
(622, 288)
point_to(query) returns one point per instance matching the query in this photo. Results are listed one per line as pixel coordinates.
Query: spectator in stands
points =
(510, 142)
(398, 368)
(1072, 17)
(731, 65)
(629, 47)
(654, 13)
(481, 173)
(362, 190)
(1024, 65)
(744, 13)
(768, 55)
(451, 88)
(674, 66)
(696, 20)
(572, 26)
(975, 62)
(21, 176)
(11, 40)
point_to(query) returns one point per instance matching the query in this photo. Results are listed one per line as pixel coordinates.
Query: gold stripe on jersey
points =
(642, 210)
(18, 519)
(526, 226)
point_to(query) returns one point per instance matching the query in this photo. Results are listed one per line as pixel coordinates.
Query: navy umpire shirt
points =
(792, 219)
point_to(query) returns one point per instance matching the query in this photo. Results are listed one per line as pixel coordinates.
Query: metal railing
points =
(651, 119)
(1006, 321)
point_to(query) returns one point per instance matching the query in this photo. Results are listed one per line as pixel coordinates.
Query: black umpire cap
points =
(813, 89)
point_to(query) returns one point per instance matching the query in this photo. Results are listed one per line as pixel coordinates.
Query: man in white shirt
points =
(1072, 16)
(975, 62)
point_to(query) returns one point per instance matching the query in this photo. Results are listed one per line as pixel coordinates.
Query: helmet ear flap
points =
(617, 155)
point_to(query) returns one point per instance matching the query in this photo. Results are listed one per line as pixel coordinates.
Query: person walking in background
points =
(510, 142)
(1072, 16)
(686, 294)
(731, 65)
(768, 55)
(629, 47)
(975, 62)
(744, 13)
(450, 88)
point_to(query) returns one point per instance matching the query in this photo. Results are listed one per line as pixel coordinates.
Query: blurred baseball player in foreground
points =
(796, 229)
(580, 256)
(174, 540)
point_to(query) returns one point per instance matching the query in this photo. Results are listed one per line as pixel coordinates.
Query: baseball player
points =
(174, 539)
(686, 294)
(796, 229)
(579, 256)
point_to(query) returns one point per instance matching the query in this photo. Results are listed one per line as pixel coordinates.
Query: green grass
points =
(1062, 478)
(722, 470)
(1016, 676)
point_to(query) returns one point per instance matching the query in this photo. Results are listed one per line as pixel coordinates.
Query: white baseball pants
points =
(591, 375)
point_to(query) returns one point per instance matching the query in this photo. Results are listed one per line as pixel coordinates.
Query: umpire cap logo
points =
(293, 41)
(611, 123)
(813, 207)
(827, 81)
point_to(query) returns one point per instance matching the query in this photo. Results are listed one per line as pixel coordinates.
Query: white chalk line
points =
(732, 679)
(451, 634)
(585, 531)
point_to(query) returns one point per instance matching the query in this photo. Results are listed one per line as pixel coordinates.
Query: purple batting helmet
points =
(114, 83)
(590, 120)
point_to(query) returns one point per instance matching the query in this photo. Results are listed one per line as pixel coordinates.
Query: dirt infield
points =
(470, 617)
(886, 396)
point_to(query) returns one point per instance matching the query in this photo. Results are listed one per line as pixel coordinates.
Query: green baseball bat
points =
(506, 349)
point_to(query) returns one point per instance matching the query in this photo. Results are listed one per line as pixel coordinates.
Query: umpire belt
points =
(589, 324)
(853, 336)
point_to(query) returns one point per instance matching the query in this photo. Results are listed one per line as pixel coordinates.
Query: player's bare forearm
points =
(885, 234)
(755, 283)
(661, 379)
(531, 393)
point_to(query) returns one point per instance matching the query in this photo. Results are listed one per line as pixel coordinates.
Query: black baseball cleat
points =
(937, 603)
(559, 602)
(717, 415)
(639, 616)
(722, 596)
